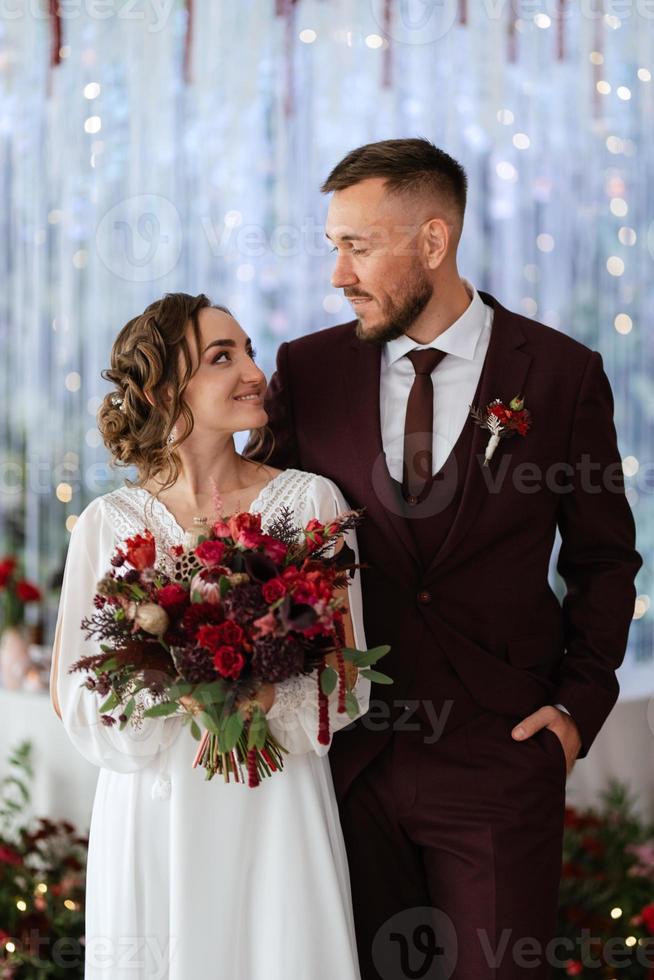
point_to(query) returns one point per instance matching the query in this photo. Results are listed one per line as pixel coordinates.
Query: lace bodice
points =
(132, 509)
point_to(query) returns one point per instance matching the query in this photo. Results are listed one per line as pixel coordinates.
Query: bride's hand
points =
(264, 696)
(190, 704)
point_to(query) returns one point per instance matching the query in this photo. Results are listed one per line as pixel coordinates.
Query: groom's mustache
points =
(357, 296)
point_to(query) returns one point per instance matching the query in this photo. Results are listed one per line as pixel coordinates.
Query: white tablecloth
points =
(64, 783)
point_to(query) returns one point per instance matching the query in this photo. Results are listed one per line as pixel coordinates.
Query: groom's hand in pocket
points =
(558, 722)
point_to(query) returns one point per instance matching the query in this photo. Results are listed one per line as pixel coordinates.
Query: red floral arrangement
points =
(606, 902)
(243, 608)
(15, 592)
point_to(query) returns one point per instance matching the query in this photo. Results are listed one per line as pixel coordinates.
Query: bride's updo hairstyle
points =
(152, 354)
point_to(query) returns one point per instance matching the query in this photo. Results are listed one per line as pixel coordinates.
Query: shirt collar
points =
(460, 338)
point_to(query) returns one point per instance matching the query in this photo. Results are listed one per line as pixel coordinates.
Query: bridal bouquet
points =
(241, 608)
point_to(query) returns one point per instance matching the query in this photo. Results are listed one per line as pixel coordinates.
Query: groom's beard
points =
(399, 313)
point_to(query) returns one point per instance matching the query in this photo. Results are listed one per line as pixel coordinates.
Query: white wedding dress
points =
(195, 880)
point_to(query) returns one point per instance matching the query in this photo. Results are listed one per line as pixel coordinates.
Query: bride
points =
(188, 878)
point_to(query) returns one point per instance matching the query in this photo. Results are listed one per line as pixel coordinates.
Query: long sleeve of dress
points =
(90, 548)
(293, 717)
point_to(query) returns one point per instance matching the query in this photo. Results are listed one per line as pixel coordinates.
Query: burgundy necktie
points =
(419, 425)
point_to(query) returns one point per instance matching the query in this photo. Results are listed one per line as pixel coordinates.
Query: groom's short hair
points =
(408, 166)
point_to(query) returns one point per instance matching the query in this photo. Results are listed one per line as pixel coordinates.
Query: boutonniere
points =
(502, 422)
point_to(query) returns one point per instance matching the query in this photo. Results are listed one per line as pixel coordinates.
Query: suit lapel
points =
(504, 375)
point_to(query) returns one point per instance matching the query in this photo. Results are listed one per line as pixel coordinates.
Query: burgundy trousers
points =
(454, 851)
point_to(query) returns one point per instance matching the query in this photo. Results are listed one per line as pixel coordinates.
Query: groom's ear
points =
(436, 240)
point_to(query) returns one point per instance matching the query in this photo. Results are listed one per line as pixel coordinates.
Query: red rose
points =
(273, 590)
(275, 550)
(648, 918)
(201, 614)
(210, 553)
(9, 856)
(210, 637)
(27, 592)
(7, 568)
(228, 662)
(231, 633)
(141, 550)
(500, 412)
(314, 534)
(245, 529)
(305, 589)
(172, 597)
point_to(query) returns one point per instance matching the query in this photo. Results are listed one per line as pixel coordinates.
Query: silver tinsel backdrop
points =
(155, 146)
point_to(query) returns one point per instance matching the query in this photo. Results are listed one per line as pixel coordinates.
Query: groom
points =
(452, 788)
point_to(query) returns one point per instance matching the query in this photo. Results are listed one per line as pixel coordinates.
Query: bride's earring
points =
(172, 437)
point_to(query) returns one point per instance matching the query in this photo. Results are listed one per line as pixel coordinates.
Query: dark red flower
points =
(592, 846)
(27, 592)
(200, 614)
(228, 662)
(7, 569)
(245, 529)
(9, 856)
(648, 918)
(275, 549)
(314, 534)
(210, 637)
(273, 590)
(226, 634)
(231, 633)
(141, 550)
(210, 553)
(172, 598)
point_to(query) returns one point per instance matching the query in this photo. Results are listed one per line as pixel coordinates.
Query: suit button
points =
(424, 598)
(412, 500)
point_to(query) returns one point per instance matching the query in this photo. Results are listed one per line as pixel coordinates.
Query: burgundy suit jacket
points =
(490, 610)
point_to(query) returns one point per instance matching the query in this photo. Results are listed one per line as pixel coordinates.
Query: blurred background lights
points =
(545, 243)
(618, 207)
(630, 465)
(521, 141)
(64, 493)
(623, 323)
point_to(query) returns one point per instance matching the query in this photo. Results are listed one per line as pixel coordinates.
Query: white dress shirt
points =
(455, 381)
